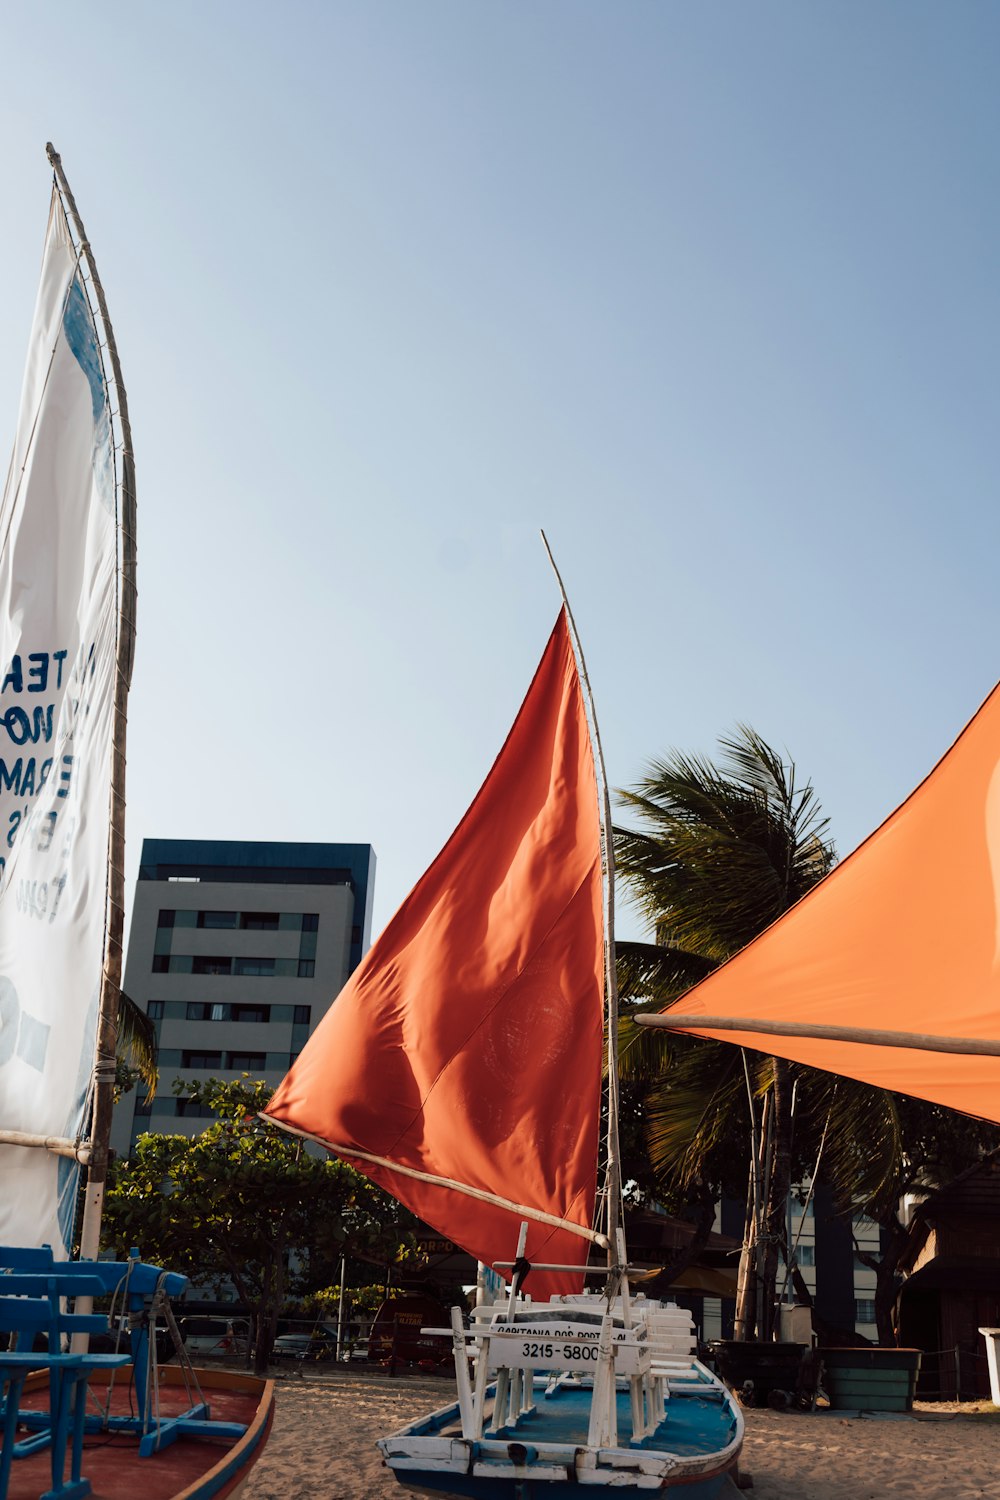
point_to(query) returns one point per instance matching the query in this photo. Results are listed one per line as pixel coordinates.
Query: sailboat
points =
(461, 1069)
(67, 631)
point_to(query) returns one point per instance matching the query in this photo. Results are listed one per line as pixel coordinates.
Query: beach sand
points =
(325, 1428)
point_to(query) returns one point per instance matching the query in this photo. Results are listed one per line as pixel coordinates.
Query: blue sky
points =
(707, 290)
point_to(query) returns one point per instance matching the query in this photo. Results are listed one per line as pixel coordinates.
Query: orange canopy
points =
(467, 1045)
(904, 936)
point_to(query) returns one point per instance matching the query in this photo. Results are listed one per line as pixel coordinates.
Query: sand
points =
(322, 1446)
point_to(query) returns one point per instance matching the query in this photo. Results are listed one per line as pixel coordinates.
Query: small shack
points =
(951, 1289)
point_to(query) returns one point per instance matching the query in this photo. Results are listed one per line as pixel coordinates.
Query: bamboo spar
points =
(613, 1183)
(107, 1026)
(861, 1036)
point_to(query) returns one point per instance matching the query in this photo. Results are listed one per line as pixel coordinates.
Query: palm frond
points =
(721, 852)
(644, 1053)
(137, 1042)
(860, 1127)
(658, 972)
(691, 1111)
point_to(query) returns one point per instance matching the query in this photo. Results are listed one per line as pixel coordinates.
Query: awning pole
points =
(969, 1046)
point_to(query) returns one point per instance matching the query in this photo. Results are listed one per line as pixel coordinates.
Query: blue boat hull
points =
(545, 1455)
(476, 1487)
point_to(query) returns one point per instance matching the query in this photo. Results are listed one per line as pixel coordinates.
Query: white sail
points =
(58, 587)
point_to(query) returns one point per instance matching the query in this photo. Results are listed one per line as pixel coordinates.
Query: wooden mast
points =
(107, 1025)
(613, 1175)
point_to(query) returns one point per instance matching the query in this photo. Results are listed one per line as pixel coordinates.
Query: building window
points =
(260, 921)
(201, 1059)
(310, 921)
(864, 1310)
(154, 1010)
(161, 963)
(253, 966)
(246, 1062)
(201, 964)
(301, 1015)
(202, 1010)
(143, 1106)
(165, 919)
(805, 1255)
(250, 1012)
(307, 968)
(191, 1109)
(218, 919)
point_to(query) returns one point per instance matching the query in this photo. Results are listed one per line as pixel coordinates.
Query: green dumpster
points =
(871, 1379)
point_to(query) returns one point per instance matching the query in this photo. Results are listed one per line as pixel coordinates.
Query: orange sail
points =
(903, 936)
(460, 1067)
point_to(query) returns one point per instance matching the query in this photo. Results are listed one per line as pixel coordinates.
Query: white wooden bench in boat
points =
(576, 1339)
(670, 1336)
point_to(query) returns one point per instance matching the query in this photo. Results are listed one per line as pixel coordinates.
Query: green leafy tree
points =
(246, 1203)
(721, 851)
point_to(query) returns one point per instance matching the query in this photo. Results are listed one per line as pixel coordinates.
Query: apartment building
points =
(236, 950)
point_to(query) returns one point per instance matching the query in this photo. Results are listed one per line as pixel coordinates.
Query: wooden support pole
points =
(59, 1145)
(861, 1036)
(462, 1382)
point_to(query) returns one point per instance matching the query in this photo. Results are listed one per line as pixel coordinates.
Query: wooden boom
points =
(969, 1045)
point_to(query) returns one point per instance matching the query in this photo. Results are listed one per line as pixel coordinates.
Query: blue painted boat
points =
(668, 1422)
(119, 1421)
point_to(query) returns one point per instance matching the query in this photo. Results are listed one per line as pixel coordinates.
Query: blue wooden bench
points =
(131, 1284)
(32, 1302)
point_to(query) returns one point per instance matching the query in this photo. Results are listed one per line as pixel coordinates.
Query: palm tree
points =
(722, 851)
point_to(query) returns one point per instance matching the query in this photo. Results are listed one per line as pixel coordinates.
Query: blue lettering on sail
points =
(37, 790)
(10, 776)
(81, 336)
(32, 1042)
(22, 726)
(10, 1015)
(21, 1034)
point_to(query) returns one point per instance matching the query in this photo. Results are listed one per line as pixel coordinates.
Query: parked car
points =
(321, 1343)
(216, 1336)
(117, 1341)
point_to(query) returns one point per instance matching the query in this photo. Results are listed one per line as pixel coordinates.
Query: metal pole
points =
(340, 1308)
(107, 1025)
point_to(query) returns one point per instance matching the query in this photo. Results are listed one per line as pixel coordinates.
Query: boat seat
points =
(26, 1258)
